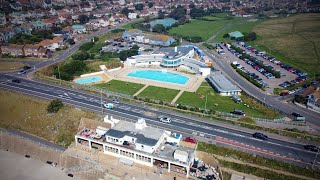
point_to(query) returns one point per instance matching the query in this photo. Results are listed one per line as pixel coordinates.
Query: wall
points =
(92, 74)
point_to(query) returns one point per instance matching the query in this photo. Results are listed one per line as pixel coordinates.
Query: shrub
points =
(54, 106)
(86, 46)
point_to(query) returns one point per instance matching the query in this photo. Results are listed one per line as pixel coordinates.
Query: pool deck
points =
(104, 77)
(191, 86)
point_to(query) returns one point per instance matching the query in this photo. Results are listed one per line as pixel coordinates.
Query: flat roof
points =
(147, 135)
(222, 84)
(170, 51)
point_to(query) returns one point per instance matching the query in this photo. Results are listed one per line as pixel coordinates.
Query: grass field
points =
(158, 93)
(121, 87)
(30, 115)
(294, 40)
(222, 103)
(245, 26)
(10, 66)
(204, 28)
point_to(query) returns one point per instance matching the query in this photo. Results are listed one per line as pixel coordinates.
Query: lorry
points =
(108, 106)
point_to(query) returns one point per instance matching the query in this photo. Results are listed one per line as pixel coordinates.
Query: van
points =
(238, 112)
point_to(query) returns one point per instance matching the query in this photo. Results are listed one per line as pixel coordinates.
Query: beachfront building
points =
(139, 143)
(181, 56)
(138, 36)
(222, 85)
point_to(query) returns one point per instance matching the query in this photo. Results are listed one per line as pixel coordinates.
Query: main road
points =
(274, 148)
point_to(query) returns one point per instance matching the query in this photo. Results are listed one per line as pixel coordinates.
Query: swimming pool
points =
(88, 80)
(159, 76)
(165, 22)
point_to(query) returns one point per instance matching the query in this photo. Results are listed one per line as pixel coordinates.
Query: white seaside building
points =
(181, 56)
(139, 143)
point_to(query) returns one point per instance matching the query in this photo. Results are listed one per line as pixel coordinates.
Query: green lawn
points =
(158, 93)
(222, 103)
(294, 40)
(245, 26)
(203, 28)
(121, 86)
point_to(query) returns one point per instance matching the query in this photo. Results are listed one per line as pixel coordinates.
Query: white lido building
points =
(222, 85)
(169, 57)
(139, 143)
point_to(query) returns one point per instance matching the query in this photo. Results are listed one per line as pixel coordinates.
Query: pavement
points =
(294, 151)
(312, 118)
(16, 166)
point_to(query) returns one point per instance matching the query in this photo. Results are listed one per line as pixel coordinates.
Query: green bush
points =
(81, 56)
(54, 106)
(86, 46)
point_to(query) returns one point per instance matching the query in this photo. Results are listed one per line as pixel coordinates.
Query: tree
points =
(81, 56)
(178, 13)
(192, 5)
(226, 35)
(161, 14)
(83, 19)
(125, 11)
(95, 39)
(135, 47)
(139, 7)
(70, 69)
(150, 4)
(159, 28)
(86, 46)
(123, 55)
(54, 106)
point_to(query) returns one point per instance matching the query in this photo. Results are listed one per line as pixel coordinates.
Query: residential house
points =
(26, 28)
(52, 44)
(16, 6)
(12, 49)
(3, 20)
(79, 29)
(51, 22)
(7, 33)
(35, 50)
(132, 15)
(313, 100)
(38, 25)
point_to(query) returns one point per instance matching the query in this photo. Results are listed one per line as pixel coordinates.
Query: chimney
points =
(175, 49)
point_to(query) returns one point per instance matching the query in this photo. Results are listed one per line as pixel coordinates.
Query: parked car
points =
(164, 119)
(238, 112)
(191, 140)
(115, 101)
(311, 148)
(16, 80)
(298, 117)
(260, 136)
(21, 72)
(284, 94)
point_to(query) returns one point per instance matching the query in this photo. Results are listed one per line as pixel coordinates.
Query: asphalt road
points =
(312, 117)
(274, 148)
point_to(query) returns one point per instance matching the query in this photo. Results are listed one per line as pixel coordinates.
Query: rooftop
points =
(236, 34)
(170, 51)
(222, 83)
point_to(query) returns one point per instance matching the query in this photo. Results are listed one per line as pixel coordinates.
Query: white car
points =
(164, 119)
(292, 91)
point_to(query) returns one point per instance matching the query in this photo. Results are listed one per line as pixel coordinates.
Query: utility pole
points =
(59, 74)
(205, 104)
(101, 101)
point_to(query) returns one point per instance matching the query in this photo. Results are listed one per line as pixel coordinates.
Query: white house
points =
(132, 15)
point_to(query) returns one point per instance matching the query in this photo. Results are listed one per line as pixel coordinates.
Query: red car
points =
(191, 140)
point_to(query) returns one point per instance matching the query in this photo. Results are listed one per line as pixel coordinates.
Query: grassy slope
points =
(294, 40)
(121, 87)
(30, 115)
(158, 93)
(9, 66)
(246, 26)
(221, 103)
(204, 29)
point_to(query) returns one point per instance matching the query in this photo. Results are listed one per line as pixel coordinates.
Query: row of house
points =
(28, 50)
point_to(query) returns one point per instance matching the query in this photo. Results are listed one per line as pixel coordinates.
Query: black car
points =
(16, 81)
(126, 143)
(311, 148)
(260, 136)
(26, 67)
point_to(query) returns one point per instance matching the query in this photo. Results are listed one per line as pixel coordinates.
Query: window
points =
(142, 146)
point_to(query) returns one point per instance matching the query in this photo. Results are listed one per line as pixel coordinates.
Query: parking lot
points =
(288, 75)
(118, 45)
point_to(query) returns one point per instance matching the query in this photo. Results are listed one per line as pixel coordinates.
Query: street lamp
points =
(59, 74)
(205, 104)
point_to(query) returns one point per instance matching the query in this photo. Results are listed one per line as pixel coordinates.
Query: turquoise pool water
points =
(88, 80)
(159, 76)
(165, 22)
